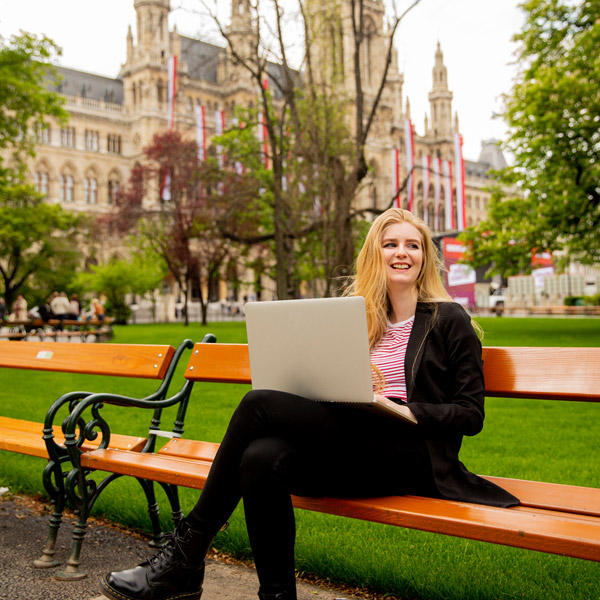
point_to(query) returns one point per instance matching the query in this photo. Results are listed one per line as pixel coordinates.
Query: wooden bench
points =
(46, 440)
(565, 310)
(552, 518)
(67, 329)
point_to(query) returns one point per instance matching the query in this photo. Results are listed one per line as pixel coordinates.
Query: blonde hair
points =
(370, 280)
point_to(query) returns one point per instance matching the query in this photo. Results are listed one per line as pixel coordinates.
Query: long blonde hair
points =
(370, 280)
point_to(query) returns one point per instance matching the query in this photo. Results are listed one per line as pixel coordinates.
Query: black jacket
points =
(445, 387)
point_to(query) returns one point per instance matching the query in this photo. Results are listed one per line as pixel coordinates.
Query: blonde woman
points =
(425, 353)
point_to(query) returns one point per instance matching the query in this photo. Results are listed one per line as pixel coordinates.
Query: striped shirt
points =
(388, 356)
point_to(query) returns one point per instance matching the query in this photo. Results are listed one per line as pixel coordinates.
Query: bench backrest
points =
(510, 372)
(123, 360)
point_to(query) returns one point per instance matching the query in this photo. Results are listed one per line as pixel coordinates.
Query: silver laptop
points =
(317, 348)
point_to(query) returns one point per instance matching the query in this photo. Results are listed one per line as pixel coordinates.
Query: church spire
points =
(440, 98)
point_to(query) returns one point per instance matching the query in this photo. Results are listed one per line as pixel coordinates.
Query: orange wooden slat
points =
(124, 360)
(552, 373)
(224, 363)
(25, 437)
(190, 449)
(528, 372)
(553, 496)
(535, 494)
(532, 529)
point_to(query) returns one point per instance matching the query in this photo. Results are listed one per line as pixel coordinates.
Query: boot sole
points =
(114, 595)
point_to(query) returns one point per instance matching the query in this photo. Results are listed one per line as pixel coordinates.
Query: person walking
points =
(426, 353)
(19, 308)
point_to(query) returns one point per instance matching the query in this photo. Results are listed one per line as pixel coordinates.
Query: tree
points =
(25, 100)
(179, 226)
(35, 238)
(313, 121)
(553, 115)
(140, 274)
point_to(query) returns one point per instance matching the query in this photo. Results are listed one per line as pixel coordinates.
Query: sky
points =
(475, 38)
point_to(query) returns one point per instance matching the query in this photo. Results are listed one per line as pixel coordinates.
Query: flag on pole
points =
(447, 174)
(459, 166)
(201, 132)
(426, 163)
(165, 192)
(171, 91)
(262, 130)
(219, 129)
(438, 192)
(396, 176)
(410, 161)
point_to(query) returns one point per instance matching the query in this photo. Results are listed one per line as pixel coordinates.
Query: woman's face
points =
(402, 248)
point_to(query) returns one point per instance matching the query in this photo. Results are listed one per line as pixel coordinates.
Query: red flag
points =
(410, 161)
(459, 165)
(171, 91)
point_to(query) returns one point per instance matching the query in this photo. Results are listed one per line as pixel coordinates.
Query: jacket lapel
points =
(414, 348)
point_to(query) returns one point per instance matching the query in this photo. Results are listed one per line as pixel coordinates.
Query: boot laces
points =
(166, 555)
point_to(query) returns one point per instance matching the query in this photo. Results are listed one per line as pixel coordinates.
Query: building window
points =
(113, 143)
(113, 191)
(42, 133)
(92, 140)
(90, 190)
(41, 182)
(67, 137)
(67, 193)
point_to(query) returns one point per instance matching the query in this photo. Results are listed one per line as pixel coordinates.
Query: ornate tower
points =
(145, 72)
(440, 100)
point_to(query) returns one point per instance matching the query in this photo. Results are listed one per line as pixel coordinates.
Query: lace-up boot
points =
(175, 572)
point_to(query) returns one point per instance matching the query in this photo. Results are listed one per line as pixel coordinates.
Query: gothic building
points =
(83, 165)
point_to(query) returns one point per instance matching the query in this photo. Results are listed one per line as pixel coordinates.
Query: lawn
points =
(551, 441)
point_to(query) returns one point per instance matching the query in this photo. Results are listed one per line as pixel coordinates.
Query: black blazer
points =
(445, 388)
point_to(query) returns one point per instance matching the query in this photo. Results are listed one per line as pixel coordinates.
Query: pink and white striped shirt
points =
(388, 356)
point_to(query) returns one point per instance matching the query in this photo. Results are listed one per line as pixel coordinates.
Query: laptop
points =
(318, 349)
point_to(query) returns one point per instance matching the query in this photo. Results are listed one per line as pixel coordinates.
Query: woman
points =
(424, 352)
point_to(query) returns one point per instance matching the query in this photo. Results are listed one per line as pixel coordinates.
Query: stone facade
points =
(83, 165)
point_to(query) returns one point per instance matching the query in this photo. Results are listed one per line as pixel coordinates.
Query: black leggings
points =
(279, 444)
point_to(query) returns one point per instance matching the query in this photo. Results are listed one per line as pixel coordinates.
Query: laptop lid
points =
(315, 348)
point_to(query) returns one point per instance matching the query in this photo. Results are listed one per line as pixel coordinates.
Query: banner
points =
(426, 163)
(410, 161)
(171, 90)
(219, 129)
(262, 130)
(165, 192)
(459, 279)
(438, 192)
(447, 174)
(201, 132)
(459, 166)
(396, 177)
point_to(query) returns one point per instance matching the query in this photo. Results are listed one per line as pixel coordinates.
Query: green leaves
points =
(25, 100)
(553, 112)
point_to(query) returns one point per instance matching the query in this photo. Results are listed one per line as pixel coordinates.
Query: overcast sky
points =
(475, 37)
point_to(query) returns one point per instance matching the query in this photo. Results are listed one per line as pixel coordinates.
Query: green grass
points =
(549, 441)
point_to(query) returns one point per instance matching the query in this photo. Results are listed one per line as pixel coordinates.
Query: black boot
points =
(286, 593)
(176, 571)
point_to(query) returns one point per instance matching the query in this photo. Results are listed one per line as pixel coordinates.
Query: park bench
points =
(65, 329)
(47, 440)
(551, 518)
(565, 310)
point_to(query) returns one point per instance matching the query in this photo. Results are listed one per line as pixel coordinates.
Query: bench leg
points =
(82, 494)
(172, 492)
(52, 479)
(153, 512)
(47, 559)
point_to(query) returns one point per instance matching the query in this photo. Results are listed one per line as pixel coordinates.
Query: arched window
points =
(67, 188)
(90, 188)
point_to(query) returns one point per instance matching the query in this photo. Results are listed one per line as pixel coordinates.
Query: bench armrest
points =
(77, 429)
